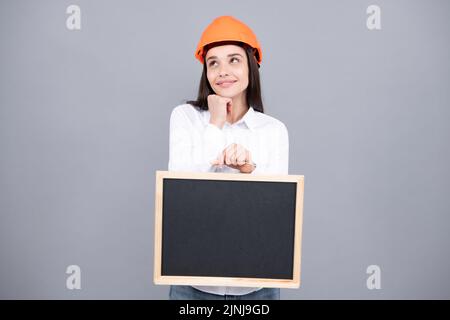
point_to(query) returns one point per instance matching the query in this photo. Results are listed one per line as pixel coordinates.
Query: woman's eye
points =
(232, 60)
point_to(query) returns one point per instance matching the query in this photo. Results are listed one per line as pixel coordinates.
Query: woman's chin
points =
(226, 93)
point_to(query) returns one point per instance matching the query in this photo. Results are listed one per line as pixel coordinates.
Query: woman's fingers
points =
(241, 155)
(233, 155)
(230, 153)
(249, 157)
(237, 155)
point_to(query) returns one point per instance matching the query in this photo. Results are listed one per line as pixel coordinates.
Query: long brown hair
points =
(253, 91)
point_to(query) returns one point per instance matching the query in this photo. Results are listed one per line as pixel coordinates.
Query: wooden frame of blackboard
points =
(227, 281)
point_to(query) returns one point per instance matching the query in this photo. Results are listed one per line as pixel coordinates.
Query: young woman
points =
(225, 129)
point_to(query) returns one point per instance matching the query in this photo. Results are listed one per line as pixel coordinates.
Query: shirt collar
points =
(250, 118)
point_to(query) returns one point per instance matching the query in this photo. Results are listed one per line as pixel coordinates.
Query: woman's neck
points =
(238, 110)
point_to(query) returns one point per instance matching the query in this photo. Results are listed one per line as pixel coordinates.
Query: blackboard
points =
(228, 229)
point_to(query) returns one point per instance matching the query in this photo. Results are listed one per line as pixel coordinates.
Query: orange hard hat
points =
(227, 28)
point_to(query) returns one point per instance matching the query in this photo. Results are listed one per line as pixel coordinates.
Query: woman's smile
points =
(226, 83)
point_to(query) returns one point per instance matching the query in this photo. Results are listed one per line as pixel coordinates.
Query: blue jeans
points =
(191, 293)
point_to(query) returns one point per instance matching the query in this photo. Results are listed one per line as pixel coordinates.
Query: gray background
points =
(84, 124)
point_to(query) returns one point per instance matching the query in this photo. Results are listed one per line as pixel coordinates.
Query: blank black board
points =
(220, 228)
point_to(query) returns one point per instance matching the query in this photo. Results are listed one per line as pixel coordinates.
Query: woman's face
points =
(227, 70)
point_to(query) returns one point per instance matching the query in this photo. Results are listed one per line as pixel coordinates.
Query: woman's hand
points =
(237, 157)
(219, 107)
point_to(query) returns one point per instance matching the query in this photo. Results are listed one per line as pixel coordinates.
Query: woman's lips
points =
(226, 84)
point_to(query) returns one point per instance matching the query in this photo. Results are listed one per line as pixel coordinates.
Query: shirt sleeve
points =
(182, 145)
(279, 157)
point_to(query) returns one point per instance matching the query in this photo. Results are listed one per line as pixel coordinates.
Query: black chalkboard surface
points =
(228, 229)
